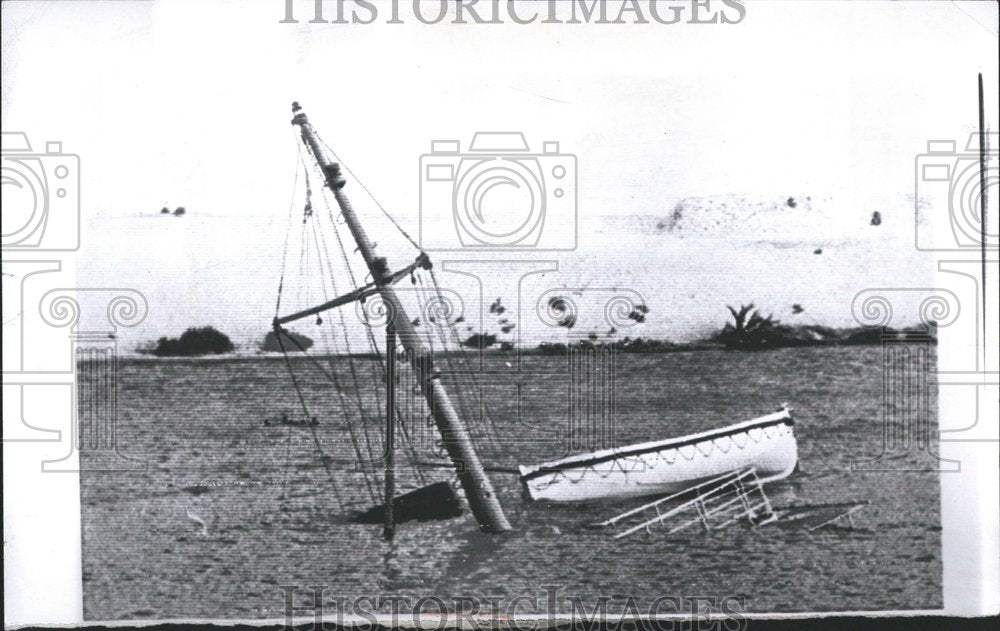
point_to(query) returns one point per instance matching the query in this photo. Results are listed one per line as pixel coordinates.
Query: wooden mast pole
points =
(477, 486)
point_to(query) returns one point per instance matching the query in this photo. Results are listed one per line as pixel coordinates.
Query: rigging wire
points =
(323, 275)
(437, 290)
(303, 272)
(379, 373)
(490, 423)
(324, 264)
(373, 494)
(331, 375)
(288, 234)
(369, 193)
(288, 365)
(324, 459)
(277, 309)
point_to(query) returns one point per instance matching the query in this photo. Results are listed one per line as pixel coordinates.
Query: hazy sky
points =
(187, 103)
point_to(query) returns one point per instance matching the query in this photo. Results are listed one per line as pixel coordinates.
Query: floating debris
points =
(198, 520)
(312, 421)
(715, 504)
(735, 497)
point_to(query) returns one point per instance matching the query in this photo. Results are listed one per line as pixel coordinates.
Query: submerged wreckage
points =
(714, 477)
(668, 466)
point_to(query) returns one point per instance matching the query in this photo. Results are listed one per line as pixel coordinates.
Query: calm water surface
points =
(226, 509)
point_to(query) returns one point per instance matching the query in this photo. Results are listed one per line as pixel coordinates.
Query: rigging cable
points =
(328, 271)
(277, 311)
(372, 197)
(277, 334)
(416, 245)
(490, 423)
(378, 374)
(303, 258)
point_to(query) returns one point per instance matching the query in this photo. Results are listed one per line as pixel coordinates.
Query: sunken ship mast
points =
(478, 489)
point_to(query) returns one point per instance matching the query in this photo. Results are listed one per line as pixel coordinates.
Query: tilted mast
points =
(478, 489)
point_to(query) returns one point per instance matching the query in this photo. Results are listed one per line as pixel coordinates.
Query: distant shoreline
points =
(806, 336)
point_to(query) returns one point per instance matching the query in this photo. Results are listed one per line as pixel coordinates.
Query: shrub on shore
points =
(752, 331)
(480, 341)
(195, 341)
(292, 342)
(625, 345)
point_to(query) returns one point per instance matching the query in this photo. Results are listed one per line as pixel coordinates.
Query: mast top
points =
(298, 114)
